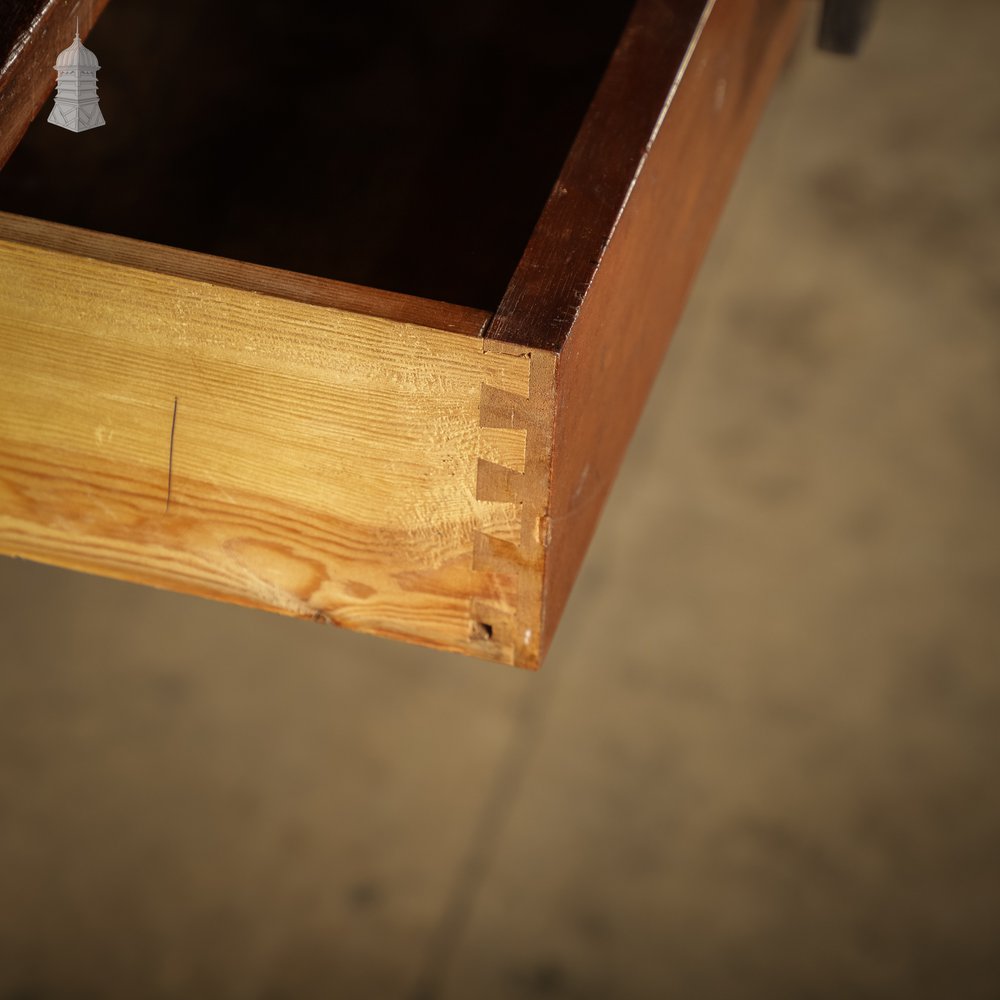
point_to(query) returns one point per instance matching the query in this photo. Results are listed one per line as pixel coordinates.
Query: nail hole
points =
(480, 630)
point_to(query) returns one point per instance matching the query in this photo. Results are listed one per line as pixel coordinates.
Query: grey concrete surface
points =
(761, 761)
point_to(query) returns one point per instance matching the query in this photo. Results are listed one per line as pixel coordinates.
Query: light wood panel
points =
(239, 274)
(303, 458)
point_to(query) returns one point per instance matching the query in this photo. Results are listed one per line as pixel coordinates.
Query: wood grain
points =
(248, 277)
(321, 462)
(607, 271)
(32, 34)
(344, 454)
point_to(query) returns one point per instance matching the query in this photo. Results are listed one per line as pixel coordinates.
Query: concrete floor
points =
(761, 761)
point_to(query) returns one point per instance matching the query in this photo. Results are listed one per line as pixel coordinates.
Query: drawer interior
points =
(407, 147)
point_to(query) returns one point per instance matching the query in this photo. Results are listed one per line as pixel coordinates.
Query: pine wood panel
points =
(241, 275)
(297, 457)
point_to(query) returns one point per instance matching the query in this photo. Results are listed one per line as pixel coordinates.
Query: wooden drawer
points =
(442, 268)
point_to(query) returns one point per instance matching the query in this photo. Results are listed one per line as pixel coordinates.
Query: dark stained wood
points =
(404, 146)
(15, 20)
(32, 34)
(610, 263)
(562, 257)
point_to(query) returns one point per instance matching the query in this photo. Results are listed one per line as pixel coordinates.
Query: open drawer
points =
(351, 316)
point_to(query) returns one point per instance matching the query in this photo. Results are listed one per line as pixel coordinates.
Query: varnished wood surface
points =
(564, 253)
(618, 330)
(16, 19)
(32, 34)
(277, 453)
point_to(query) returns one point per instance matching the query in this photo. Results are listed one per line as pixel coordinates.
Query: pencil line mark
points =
(170, 460)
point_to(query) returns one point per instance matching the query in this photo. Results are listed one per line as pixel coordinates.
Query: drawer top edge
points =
(272, 281)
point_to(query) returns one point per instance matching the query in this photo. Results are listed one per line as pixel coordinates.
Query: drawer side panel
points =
(279, 454)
